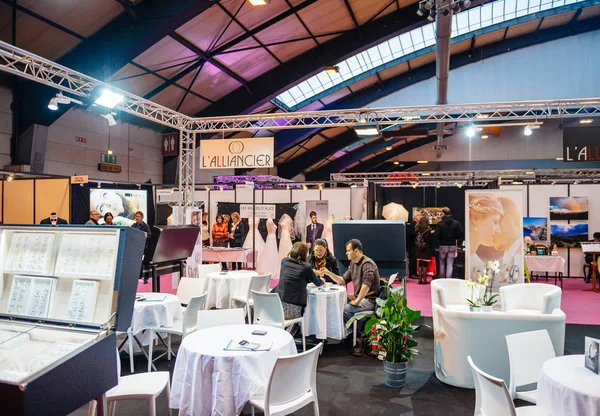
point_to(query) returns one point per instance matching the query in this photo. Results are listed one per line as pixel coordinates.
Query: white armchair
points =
(451, 294)
(481, 335)
(536, 298)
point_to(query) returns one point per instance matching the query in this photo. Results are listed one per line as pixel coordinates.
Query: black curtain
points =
(80, 201)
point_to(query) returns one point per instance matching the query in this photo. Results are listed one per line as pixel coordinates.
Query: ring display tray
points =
(63, 292)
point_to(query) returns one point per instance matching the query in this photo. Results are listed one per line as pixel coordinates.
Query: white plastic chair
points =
(536, 298)
(205, 269)
(188, 288)
(220, 317)
(258, 283)
(129, 339)
(180, 327)
(141, 386)
(283, 397)
(527, 353)
(493, 399)
(269, 311)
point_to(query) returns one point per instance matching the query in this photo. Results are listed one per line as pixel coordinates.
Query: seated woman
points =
(295, 274)
(322, 259)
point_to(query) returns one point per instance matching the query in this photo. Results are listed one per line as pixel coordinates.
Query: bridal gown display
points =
(258, 240)
(328, 233)
(285, 236)
(268, 258)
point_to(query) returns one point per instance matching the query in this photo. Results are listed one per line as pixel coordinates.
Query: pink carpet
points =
(580, 307)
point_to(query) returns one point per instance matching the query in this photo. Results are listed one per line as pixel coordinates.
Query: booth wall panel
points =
(273, 196)
(244, 196)
(18, 202)
(300, 195)
(1, 199)
(339, 201)
(593, 194)
(52, 195)
(5, 125)
(215, 198)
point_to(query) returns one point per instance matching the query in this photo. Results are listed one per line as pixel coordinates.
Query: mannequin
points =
(285, 241)
(268, 258)
(328, 233)
(253, 232)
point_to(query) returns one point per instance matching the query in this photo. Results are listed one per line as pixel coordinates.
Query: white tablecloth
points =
(226, 255)
(324, 314)
(221, 286)
(208, 381)
(545, 264)
(567, 388)
(151, 313)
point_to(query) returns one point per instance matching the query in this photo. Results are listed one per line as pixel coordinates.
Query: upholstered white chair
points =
(536, 298)
(458, 334)
(452, 294)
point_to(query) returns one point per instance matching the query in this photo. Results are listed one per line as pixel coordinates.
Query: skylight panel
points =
(474, 19)
(315, 84)
(417, 38)
(462, 23)
(395, 47)
(486, 15)
(296, 93)
(407, 43)
(428, 34)
(305, 88)
(325, 80)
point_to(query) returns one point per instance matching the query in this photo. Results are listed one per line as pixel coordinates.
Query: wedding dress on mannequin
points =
(268, 258)
(328, 233)
(253, 232)
(285, 236)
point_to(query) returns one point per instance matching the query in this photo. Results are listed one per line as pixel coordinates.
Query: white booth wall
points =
(536, 203)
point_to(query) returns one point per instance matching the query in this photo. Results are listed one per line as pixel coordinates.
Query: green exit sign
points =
(109, 158)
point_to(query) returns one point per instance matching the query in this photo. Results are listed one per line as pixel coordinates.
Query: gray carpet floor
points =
(349, 385)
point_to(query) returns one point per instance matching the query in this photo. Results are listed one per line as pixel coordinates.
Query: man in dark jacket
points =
(448, 233)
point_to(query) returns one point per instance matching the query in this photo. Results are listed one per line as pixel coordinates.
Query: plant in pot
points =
(390, 330)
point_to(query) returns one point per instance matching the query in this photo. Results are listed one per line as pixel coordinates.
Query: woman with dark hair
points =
(220, 236)
(237, 232)
(108, 219)
(322, 259)
(295, 274)
(423, 248)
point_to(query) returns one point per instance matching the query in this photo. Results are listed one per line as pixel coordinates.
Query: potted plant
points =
(482, 298)
(390, 330)
(474, 300)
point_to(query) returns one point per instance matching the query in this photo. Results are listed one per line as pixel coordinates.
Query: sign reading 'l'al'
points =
(236, 153)
(581, 144)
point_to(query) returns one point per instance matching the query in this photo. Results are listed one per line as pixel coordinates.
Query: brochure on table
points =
(60, 290)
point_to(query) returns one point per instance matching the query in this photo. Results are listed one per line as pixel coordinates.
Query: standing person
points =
(322, 259)
(448, 233)
(236, 236)
(205, 232)
(108, 219)
(589, 258)
(410, 245)
(139, 224)
(54, 219)
(94, 217)
(314, 230)
(423, 248)
(220, 236)
(294, 275)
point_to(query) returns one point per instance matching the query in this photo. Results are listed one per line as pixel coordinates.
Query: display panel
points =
(536, 228)
(121, 203)
(569, 208)
(30, 253)
(89, 255)
(568, 235)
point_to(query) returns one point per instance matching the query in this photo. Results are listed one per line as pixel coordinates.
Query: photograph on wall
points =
(536, 228)
(121, 203)
(569, 208)
(314, 225)
(358, 203)
(568, 235)
(494, 233)
(433, 214)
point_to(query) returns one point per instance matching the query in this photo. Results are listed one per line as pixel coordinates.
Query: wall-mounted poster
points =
(315, 229)
(569, 208)
(568, 235)
(494, 232)
(536, 228)
(121, 203)
(433, 214)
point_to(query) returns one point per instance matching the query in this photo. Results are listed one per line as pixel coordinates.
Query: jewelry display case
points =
(64, 291)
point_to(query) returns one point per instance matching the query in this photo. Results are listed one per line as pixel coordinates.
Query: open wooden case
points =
(64, 291)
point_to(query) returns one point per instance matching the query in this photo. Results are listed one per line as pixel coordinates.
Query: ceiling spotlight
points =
(353, 185)
(109, 99)
(110, 118)
(586, 121)
(396, 163)
(432, 15)
(445, 12)
(53, 104)
(320, 186)
(485, 137)
(466, 3)
(362, 119)
(455, 7)
(98, 186)
(414, 185)
(553, 183)
(575, 183)
(287, 187)
(388, 148)
(458, 185)
(429, 4)
(304, 187)
(421, 10)
(109, 152)
(367, 131)
(422, 162)
(470, 132)
(10, 178)
(331, 70)
(438, 185)
(259, 2)
(527, 131)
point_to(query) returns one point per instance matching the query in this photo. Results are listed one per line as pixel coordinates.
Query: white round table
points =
(156, 310)
(324, 313)
(207, 380)
(567, 388)
(221, 286)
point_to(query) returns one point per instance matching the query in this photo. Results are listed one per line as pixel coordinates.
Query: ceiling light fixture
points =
(109, 152)
(362, 119)
(458, 185)
(414, 185)
(353, 185)
(559, 158)
(396, 163)
(485, 137)
(110, 118)
(527, 131)
(333, 69)
(586, 121)
(53, 104)
(367, 131)
(109, 99)
(432, 15)
(259, 2)
(438, 185)
(429, 4)
(422, 162)
(470, 132)
(530, 172)
(422, 9)
(425, 174)
(388, 148)
(304, 187)
(466, 3)
(10, 178)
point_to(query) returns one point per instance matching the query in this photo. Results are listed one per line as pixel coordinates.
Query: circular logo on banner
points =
(236, 147)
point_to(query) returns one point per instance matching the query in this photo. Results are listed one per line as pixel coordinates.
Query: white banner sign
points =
(236, 153)
(262, 211)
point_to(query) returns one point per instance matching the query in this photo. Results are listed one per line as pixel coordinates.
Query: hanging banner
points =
(494, 233)
(580, 144)
(262, 211)
(236, 153)
(321, 211)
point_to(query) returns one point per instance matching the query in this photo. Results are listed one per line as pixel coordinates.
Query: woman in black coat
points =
(236, 236)
(295, 274)
(322, 259)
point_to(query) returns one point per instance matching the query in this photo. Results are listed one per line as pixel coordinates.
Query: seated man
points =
(364, 275)
(590, 258)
